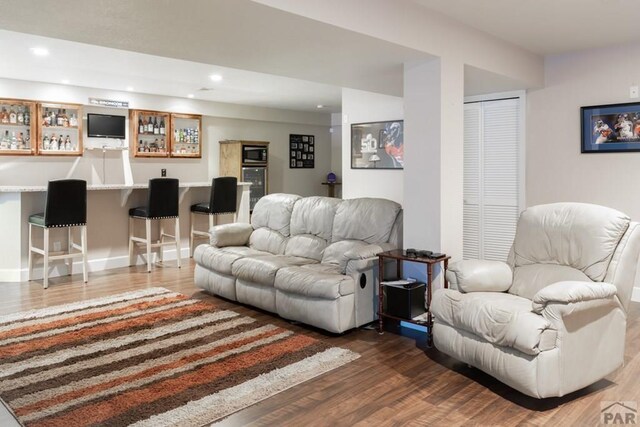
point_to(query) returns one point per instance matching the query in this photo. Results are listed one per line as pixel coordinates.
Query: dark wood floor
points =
(395, 382)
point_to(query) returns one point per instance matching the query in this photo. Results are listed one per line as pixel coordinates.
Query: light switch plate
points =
(633, 92)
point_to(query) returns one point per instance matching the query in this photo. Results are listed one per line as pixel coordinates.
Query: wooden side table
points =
(331, 187)
(399, 256)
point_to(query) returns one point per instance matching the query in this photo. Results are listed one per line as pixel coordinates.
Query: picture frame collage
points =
(302, 151)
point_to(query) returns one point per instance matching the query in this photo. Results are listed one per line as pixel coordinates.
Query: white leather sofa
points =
(307, 259)
(552, 319)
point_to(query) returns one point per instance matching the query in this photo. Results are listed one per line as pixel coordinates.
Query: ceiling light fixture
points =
(319, 106)
(216, 77)
(65, 82)
(130, 88)
(39, 51)
(190, 95)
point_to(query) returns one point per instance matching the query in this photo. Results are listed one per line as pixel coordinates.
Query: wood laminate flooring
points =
(397, 381)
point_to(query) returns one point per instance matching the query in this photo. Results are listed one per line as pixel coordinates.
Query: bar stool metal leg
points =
(131, 243)
(30, 277)
(85, 250)
(192, 217)
(45, 272)
(148, 243)
(177, 237)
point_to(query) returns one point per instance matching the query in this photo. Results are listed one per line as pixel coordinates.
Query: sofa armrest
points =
(479, 276)
(571, 292)
(369, 251)
(235, 234)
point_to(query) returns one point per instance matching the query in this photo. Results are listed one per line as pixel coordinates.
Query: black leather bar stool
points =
(65, 207)
(223, 200)
(162, 203)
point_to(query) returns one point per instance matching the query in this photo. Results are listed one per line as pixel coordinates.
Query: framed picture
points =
(299, 147)
(610, 128)
(377, 145)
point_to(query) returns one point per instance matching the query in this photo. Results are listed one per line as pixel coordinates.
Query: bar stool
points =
(65, 207)
(223, 200)
(162, 204)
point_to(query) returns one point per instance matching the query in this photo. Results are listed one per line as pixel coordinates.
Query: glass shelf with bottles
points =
(186, 135)
(150, 133)
(17, 127)
(60, 129)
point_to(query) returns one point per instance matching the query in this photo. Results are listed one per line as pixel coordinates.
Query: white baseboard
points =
(60, 269)
(635, 295)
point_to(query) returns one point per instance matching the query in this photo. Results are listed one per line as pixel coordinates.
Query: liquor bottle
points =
(67, 143)
(27, 117)
(163, 130)
(13, 117)
(46, 143)
(27, 140)
(140, 147)
(65, 119)
(140, 125)
(20, 141)
(60, 119)
(14, 141)
(20, 116)
(156, 128)
(4, 117)
(54, 119)
(5, 140)
(146, 147)
(54, 143)
(150, 125)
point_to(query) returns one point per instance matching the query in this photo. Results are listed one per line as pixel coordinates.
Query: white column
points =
(433, 175)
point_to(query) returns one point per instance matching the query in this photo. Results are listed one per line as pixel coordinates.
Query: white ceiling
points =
(238, 34)
(548, 26)
(105, 68)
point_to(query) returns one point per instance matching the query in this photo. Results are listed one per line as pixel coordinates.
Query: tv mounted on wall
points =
(105, 126)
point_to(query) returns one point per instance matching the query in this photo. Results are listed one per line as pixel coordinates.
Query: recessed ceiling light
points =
(190, 95)
(216, 77)
(39, 51)
(319, 106)
(65, 81)
(130, 88)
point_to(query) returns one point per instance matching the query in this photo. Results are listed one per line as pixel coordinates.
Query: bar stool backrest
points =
(66, 203)
(163, 198)
(224, 195)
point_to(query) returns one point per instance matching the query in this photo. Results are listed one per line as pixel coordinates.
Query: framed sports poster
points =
(610, 128)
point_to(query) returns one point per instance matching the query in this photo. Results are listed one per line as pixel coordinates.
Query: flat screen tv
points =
(105, 126)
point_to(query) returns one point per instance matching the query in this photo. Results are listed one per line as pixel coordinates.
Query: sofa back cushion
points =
(314, 215)
(271, 220)
(564, 241)
(369, 220)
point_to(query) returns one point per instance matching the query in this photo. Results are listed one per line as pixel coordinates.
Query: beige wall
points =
(555, 168)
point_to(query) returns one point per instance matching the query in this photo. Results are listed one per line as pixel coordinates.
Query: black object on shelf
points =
(404, 301)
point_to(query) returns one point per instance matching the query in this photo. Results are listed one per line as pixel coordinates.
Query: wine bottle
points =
(140, 125)
(13, 117)
(150, 125)
(156, 128)
(27, 117)
(163, 130)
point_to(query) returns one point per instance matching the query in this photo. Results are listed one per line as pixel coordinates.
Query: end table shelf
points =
(399, 256)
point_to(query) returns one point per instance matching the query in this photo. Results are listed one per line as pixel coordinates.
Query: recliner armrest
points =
(235, 234)
(568, 292)
(369, 251)
(479, 276)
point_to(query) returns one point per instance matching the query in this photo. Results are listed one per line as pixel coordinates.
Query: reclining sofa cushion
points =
(500, 318)
(271, 222)
(369, 220)
(311, 226)
(262, 269)
(315, 281)
(234, 234)
(336, 253)
(580, 236)
(222, 259)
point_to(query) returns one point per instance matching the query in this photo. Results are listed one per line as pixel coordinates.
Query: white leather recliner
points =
(552, 319)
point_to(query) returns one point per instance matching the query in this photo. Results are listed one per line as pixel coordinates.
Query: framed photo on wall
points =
(610, 128)
(302, 149)
(377, 145)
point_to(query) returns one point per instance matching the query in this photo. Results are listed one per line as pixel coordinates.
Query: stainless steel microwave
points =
(254, 154)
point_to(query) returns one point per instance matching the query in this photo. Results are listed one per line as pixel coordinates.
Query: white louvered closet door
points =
(491, 178)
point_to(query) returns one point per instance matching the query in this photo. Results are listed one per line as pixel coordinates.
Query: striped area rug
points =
(148, 358)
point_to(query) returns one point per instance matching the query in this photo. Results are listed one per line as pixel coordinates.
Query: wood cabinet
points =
(186, 135)
(249, 162)
(18, 128)
(59, 129)
(149, 133)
